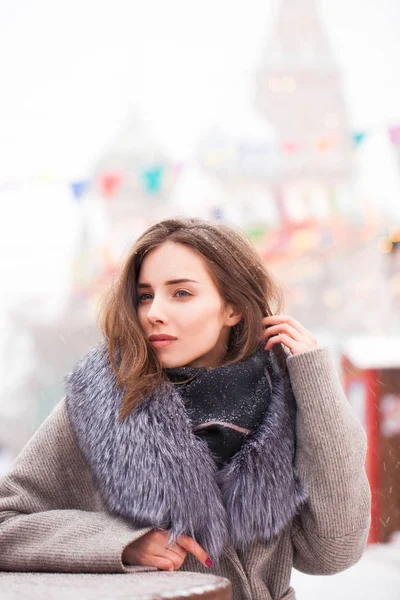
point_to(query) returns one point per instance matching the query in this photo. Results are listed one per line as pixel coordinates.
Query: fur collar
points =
(153, 470)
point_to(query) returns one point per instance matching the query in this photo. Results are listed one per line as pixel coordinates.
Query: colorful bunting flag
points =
(326, 142)
(153, 179)
(217, 213)
(358, 137)
(290, 146)
(79, 188)
(394, 134)
(109, 183)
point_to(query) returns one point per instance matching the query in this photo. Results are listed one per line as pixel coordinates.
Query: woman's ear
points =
(232, 315)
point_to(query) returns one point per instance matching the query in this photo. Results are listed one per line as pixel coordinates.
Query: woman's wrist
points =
(126, 556)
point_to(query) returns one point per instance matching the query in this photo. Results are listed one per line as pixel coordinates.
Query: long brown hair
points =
(239, 274)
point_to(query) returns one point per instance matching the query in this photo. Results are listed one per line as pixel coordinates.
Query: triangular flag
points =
(152, 179)
(109, 183)
(290, 146)
(217, 213)
(326, 142)
(43, 178)
(394, 134)
(79, 188)
(358, 137)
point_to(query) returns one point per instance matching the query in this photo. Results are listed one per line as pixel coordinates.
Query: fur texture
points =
(152, 469)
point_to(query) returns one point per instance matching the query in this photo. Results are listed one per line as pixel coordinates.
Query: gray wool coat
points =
(85, 486)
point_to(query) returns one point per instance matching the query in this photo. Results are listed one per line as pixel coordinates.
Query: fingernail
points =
(209, 562)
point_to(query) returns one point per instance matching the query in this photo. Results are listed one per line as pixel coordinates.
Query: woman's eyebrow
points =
(170, 282)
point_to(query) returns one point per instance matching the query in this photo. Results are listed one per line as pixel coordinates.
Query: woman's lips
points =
(162, 343)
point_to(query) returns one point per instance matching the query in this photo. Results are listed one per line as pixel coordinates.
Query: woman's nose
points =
(155, 313)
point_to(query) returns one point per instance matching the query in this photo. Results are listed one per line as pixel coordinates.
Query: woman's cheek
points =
(141, 316)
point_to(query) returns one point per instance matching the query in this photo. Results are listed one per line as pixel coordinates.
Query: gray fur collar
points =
(153, 470)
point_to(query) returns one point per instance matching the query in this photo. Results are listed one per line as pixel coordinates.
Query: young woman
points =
(207, 432)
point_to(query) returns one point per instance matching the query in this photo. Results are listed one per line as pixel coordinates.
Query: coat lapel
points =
(153, 470)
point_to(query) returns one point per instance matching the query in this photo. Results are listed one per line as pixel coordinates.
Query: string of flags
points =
(322, 143)
(234, 154)
(154, 178)
(356, 137)
(151, 180)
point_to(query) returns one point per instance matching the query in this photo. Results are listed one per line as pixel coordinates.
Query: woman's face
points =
(193, 312)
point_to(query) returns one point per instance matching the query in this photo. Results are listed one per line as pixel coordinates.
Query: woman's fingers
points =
(162, 563)
(161, 537)
(178, 549)
(286, 340)
(194, 548)
(278, 319)
(173, 557)
(282, 327)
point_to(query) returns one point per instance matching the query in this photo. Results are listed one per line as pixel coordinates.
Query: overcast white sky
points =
(72, 70)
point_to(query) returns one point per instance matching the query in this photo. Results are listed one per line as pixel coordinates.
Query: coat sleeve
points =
(330, 533)
(50, 516)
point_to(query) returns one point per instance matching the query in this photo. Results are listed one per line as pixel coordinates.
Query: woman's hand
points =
(283, 329)
(153, 550)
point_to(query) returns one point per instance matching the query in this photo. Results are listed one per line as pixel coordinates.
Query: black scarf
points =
(225, 404)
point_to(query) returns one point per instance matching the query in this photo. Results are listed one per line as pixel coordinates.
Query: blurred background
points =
(281, 117)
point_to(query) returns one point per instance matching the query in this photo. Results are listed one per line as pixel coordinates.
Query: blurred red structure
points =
(371, 379)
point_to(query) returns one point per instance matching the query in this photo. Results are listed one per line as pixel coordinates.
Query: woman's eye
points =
(183, 292)
(142, 297)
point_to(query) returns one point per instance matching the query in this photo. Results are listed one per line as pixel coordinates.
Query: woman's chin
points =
(169, 362)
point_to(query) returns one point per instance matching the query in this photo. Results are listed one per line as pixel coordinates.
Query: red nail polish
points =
(209, 562)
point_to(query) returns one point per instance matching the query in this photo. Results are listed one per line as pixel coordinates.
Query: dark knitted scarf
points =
(224, 403)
